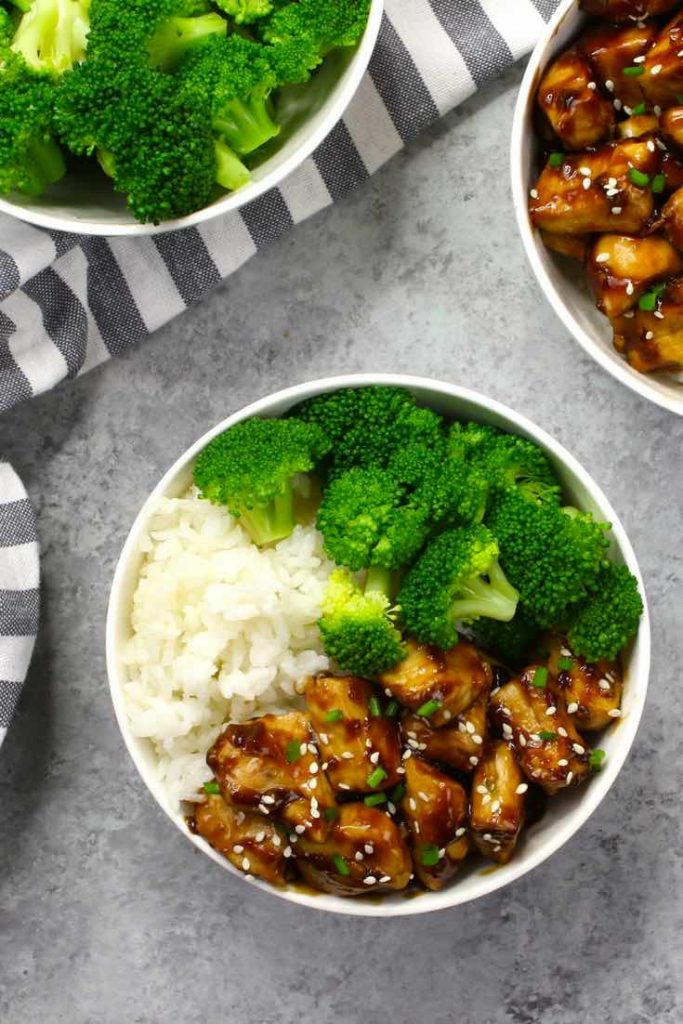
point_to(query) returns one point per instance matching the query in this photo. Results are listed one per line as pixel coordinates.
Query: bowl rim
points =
(619, 369)
(231, 201)
(592, 795)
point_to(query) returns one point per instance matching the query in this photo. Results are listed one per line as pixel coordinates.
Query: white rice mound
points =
(221, 630)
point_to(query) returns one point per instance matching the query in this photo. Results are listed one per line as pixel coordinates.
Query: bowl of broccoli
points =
(450, 523)
(169, 112)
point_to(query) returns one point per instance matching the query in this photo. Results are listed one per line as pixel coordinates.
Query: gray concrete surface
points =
(106, 913)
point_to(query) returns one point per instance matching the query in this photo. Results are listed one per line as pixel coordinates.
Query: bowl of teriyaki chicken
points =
(597, 178)
(377, 645)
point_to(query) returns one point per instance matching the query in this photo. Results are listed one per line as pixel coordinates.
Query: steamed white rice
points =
(220, 631)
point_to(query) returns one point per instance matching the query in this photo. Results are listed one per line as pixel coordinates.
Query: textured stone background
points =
(106, 914)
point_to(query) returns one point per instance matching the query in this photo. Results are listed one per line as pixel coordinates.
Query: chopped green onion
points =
(679, 97)
(565, 664)
(331, 813)
(374, 799)
(596, 759)
(640, 108)
(637, 177)
(335, 715)
(375, 707)
(340, 864)
(397, 793)
(545, 735)
(429, 855)
(540, 678)
(648, 301)
(556, 159)
(376, 776)
(658, 183)
(293, 751)
(211, 787)
(428, 708)
(634, 70)
(391, 710)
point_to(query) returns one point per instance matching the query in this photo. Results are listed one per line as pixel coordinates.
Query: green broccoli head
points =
(328, 23)
(453, 493)
(250, 469)
(550, 554)
(512, 642)
(246, 11)
(457, 579)
(506, 460)
(175, 37)
(30, 159)
(608, 620)
(369, 426)
(357, 626)
(368, 519)
(51, 35)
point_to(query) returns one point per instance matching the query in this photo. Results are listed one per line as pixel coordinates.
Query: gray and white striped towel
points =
(68, 302)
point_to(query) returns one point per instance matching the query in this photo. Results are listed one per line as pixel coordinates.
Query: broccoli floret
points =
(609, 619)
(174, 37)
(454, 493)
(552, 555)
(328, 23)
(511, 641)
(457, 579)
(30, 159)
(367, 518)
(357, 624)
(507, 460)
(245, 11)
(250, 469)
(51, 35)
(369, 426)
(233, 79)
(292, 62)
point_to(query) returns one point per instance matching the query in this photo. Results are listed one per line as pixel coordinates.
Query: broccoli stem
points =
(47, 162)
(271, 522)
(378, 580)
(492, 598)
(105, 159)
(230, 171)
(246, 124)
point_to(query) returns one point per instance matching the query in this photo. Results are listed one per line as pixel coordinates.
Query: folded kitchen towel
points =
(68, 302)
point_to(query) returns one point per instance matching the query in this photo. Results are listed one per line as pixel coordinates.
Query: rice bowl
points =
(544, 837)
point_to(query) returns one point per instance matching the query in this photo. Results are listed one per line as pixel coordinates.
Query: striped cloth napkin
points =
(68, 303)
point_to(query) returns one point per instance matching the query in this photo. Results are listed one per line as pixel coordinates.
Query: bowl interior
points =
(566, 813)
(85, 202)
(562, 279)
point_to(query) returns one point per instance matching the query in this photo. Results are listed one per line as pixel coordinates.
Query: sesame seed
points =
(325, 766)
(313, 767)
(369, 848)
(368, 743)
(611, 183)
(651, 146)
(342, 785)
(609, 85)
(603, 684)
(495, 806)
(592, 86)
(486, 799)
(497, 849)
(578, 749)
(505, 710)
(374, 758)
(370, 880)
(482, 789)
(400, 770)
(639, 60)
(570, 776)
(391, 807)
(586, 183)
(602, 257)
(629, 288)
(423, 797)
(507, 730)
(313, 784)
(649, 335)
(563, 762)
(303, 748)
(474, 760)
(293, 838)
(446, 715)
(312, 749)
(562, 731)
(347, 755)
(263, 809)
(413, 744)
(572, 708)
(315, 813)
(470, 728)
(299, 829)
(586, 171)
(250, 878)
(611, 192)
(656, 69)
(407, 754)
(260, 836)
(442, 851)
(238, 849)
(680, 53)
(551, 710)
(385, 878)
(358, 856)
(240, 817)
(617, 104)
(314, 802)
(659, 314)
(460, 832)
(614, 713)
(324, 737)
(268, 799)
(422, 746)
(488, 837)
(387, 691)
(521, 788)
(534, 737)
(275, 839)
(629, 314)
(522, 739)
(461, 727)
(246, 864)
(477, 739)
(616, 210)
(287, 852)
(533, 193)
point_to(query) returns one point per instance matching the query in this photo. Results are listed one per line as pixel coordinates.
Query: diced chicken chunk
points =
(272, 763)
(361, 748)
(627, 10)
(672, 216)
(364, 853)
(248, 840)
(662, 81)
(458, 745)
(611, 50)
(590, 691)
(438, 684)
(653, 339)
(671, 125)
(497, 814)
(578, 113)
(549, 750)
(576, 247)
(435, 808)
(621, 268)
(638, 124)
(597, 191)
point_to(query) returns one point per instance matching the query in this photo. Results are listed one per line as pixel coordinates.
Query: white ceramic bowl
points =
(88, 205)
(563, 281)
(567, 813)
